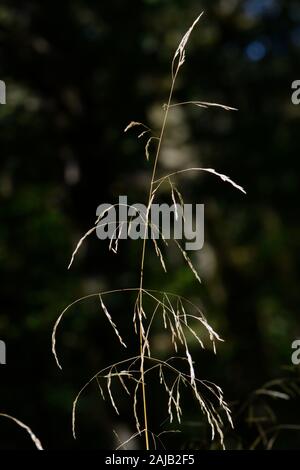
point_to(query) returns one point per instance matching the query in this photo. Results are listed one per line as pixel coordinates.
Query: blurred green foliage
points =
(76, 73)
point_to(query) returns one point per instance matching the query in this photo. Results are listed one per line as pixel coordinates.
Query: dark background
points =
(76, 73)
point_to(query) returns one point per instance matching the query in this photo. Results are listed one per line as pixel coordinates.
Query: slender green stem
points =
(142, 349)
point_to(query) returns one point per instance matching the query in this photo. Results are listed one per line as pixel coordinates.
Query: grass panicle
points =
(180, 318)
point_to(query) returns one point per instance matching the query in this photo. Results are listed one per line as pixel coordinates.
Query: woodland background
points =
(76, 73)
